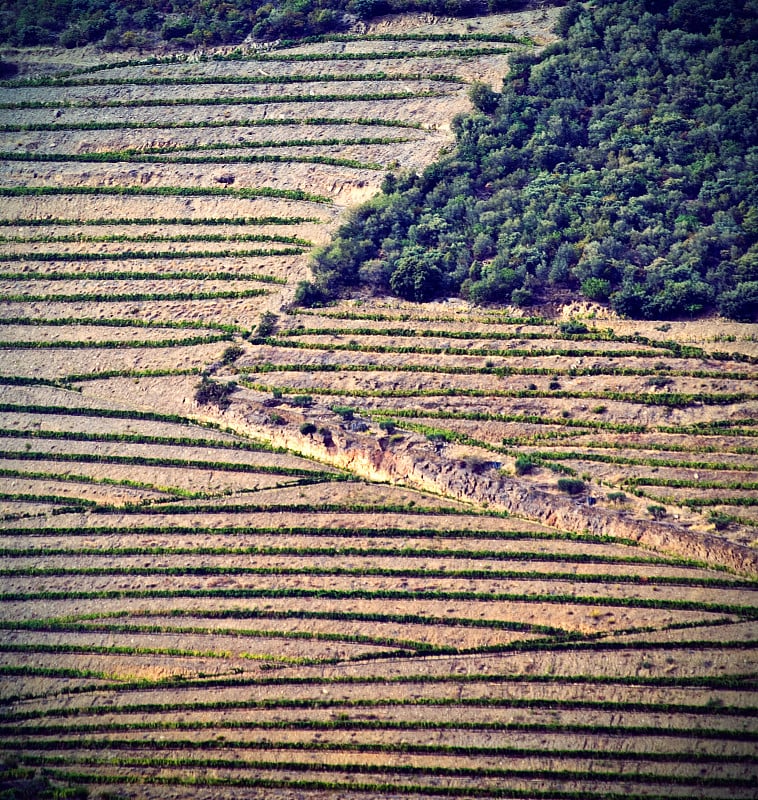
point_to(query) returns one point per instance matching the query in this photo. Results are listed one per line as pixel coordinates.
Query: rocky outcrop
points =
(412, 461)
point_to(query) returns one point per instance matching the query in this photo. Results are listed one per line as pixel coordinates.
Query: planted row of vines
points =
(197, 600)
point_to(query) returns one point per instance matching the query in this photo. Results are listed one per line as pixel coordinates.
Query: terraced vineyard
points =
(259, 551)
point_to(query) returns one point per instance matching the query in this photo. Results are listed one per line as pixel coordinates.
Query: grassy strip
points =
(374, 56)
(553, 455)
(301, 614)
(366, 552)
(250, 100)
(695, 484)
(669, 399)
(409, 37)
(152, 237)
(94, 297)
(162, 191)
(133, 438)
(227, 80)
(736, 682)
(399, 572)
(403, 747)
(184, 463)
(108, 413)
(501, 372)
(41, 222)
(92, 481)
(390, 773)
(747, 612)
(252, 633)
(416, 702)
(243, 123)
(184, 324)
(536, 419)
(425, 333)
(42, 81)
(130, 275)
(110, 157)
(66, 381)
(155, 254)
(174, 652)
(457, 351)
(113, 345)
(71, 503)
(345, 532)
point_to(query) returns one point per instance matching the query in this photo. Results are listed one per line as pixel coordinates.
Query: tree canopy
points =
(619, 163)
(189, 23)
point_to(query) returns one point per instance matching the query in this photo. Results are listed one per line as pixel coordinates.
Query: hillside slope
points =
(255, 551)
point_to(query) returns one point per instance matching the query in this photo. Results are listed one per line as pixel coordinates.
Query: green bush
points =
(210, 392)
(524, 465)
(232, 353)
(571, 486)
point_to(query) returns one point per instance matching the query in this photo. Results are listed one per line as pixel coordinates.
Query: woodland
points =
(619, 163)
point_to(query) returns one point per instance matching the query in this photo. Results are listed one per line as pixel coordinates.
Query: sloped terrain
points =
(343, 567)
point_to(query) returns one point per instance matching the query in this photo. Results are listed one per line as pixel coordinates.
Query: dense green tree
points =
(621, 162)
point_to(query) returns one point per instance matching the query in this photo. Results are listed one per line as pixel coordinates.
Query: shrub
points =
(572, 328)
(308, 294)
(524, 465)
(210, 392)
(388, 426)
(231, 354)
(571, 485)
(307, 429)
(657, 512)
(720, 521)
(616, 497)
(302, 401)
(596, 289)
(346, 412)
(266, 325)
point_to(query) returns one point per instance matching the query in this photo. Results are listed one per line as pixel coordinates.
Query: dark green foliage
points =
(572, 328)
(720, 521)
(571, 485)
(232, 353)
(307, 429)
(210, 392)
(193, 23)
(617, 161)
(346, 412)
(524, 465)
(308, 294)
(266, 326)
(483, 98)
(657, 512)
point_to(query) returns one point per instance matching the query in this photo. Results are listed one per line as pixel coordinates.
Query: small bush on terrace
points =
(210, 392)
(571, 486)
(231, 354)
(266, 327)
(524, 465)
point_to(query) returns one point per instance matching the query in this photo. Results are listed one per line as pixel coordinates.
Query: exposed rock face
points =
(412, 461)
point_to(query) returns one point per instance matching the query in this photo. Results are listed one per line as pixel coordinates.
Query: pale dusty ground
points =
(60, 363)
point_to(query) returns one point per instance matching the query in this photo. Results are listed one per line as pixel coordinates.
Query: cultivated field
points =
(387, 550)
